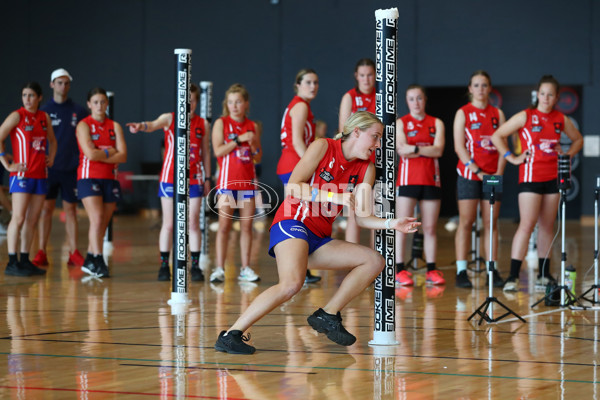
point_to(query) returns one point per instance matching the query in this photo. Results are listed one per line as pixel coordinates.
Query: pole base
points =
(178, 300)
(483, 308)
(383, 339)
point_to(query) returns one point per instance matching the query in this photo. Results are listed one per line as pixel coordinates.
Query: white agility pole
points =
(386, 44)
(206, 113)
(107, 245)
(181, 183)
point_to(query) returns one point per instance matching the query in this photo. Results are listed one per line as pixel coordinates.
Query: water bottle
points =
(570, 278)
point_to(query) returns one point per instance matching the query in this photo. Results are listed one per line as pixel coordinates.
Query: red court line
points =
(118, 392)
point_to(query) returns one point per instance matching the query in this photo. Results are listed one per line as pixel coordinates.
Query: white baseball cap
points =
(57, 73)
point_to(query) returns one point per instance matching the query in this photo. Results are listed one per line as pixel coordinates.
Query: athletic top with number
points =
(65, 117)
(236, 169)
(103, 137)
(333, 174)
(479, 127)
(196, 134)
(29, 139)
(420, 170)
(289, 158)
(540, 136)
(363, 102)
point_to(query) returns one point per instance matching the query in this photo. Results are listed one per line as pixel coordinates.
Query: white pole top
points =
(183, 51)
(110, 94)
(390, 13)
(205, 84)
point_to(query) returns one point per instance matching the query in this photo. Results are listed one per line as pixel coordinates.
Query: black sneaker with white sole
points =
(89, 267)
(232, 342)
(332, 326)
(101, 267)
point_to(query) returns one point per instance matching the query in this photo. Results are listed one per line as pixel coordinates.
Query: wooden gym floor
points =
(67, 337)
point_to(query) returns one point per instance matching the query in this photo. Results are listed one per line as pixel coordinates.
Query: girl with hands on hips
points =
(30, 131)
(540, 128)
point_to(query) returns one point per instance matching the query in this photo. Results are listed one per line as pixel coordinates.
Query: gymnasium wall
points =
(127, 47)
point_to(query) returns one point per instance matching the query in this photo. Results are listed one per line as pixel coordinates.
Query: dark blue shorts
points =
(66, 182)
(109, 189)
(166, 190)
(292, 229)
(285, 177)
(27, 185)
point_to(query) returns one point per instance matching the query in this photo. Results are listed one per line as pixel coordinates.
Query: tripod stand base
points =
(482, 311)
(570, 298)
(592, 289)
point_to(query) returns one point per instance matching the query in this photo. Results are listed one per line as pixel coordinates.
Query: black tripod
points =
(567, 297)
(595, 286)
(486, 310)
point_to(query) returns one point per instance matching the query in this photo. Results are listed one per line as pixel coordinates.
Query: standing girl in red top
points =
(539, 130)
(298, 130)
(331, 174)
(30, 132)
(237, 148)
(101, 148)
(199, 168)
(474, 125)
(420, 143)
(359, 98)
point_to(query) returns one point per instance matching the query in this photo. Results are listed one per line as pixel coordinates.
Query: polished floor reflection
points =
(66, 336)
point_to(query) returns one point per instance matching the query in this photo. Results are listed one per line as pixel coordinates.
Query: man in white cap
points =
(62, 176)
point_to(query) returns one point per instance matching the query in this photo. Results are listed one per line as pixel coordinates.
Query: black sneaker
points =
(197, 275)
(498, 280)
(233, 343)
(310, 278)
(15, 269)
(332, 326)
(101, 268)
(89, 267)
(32, 268)
(164, 273)
(463, 281)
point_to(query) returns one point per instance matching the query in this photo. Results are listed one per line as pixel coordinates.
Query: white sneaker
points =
(247, 274)
(511, 285)
(218, 275)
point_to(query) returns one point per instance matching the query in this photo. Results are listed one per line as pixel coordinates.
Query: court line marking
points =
(120, 392)
(308, 367)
